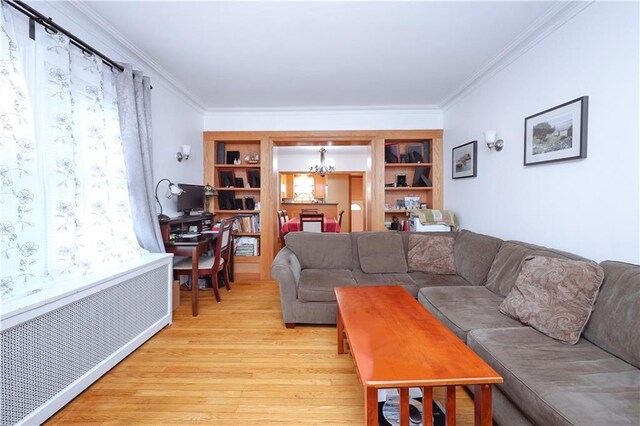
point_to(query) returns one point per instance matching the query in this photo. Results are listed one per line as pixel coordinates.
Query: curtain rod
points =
(48, 23)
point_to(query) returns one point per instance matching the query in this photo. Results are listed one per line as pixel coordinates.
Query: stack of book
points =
(247, 246)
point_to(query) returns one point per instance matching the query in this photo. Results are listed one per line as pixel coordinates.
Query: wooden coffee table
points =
(397, 343)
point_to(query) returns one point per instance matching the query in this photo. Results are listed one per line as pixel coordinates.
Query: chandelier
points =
(322, 169)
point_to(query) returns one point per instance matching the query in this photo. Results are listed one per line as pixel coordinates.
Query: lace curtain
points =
(65, 209)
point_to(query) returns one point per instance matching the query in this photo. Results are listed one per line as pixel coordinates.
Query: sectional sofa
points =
(593, 382)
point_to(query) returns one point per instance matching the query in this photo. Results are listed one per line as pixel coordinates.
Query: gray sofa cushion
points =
(316, 285)
(382, 253)
(474, 254)
(431, 254)
(506, 265)
(321, 250)
(614, 323)
(554, 296)
(558, 384)
(403, 280)
(463, 309)
(424, 279)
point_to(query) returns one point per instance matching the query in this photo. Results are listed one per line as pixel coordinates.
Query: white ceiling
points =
(258, 55)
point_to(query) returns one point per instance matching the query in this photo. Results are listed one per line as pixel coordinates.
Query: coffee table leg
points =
(483, 405)
(427, 406)
(404, 406)
(340, 328)
(450, 416)
(371, 406)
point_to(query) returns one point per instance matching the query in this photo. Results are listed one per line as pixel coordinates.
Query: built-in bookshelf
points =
(233, 167)
(412, 170)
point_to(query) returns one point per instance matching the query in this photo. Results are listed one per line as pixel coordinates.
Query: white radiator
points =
(54, 349)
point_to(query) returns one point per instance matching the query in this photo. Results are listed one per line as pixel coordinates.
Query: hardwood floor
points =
(234, 364)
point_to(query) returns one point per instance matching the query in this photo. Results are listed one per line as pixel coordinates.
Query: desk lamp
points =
(209, 191)
(173, 190)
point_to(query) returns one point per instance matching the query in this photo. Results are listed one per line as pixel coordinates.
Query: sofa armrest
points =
(286, 270)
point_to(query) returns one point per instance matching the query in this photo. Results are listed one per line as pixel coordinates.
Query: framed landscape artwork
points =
(557, 134)
(465, 160)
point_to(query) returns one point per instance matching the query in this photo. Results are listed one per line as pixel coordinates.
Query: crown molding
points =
(555, 18)
(331, 110)
(121, 46)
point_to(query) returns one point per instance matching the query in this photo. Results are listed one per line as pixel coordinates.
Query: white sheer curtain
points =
(65, 206)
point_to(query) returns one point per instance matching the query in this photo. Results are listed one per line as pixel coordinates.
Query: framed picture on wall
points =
(464, 159)
(557, 134)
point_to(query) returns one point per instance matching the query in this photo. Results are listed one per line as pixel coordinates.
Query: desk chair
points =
(312, 222)
(340, 218)
(210, 264)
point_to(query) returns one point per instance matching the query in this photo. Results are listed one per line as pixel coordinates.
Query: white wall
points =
(590, 207)
(322, 119)
(177, 120)
(343, 158)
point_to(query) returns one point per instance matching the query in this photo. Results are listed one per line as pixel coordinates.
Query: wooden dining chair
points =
(309, 211)
(285, 215)
(340, 218)
(281, 221)
(210, 264)
(226, 251)
(312, 222)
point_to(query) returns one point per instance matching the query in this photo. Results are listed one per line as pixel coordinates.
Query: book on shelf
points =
(247, 246)
(248, 223)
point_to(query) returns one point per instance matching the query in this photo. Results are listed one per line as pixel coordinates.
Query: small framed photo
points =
(401, 180)
(253, 178)
(557, 134)
(226, 178)
(400, 204)
(415, 153)
(464, 159)
(238, 182)
(423, 206)
(412, 203)
(249, 203)
(392, 153)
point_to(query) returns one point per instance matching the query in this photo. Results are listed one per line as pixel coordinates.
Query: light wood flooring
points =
(234, 364)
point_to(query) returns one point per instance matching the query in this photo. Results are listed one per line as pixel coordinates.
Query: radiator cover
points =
(49, 359)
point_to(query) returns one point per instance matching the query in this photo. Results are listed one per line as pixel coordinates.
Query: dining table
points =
(293, 225)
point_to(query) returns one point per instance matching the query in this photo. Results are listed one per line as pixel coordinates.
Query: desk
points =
(193, 247)
(293, 225)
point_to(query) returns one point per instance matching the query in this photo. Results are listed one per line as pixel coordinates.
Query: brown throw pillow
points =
(554, 296)
(432, 254)
(382, 253)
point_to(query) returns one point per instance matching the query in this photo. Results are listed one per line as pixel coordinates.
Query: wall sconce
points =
(184, 154)
(490, 137)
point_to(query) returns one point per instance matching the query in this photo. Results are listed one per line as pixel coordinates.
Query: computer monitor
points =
(191, 199)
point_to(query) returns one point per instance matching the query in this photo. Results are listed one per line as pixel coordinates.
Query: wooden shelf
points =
(397, 211)
(409, 188)
(246, 259)
(238, 166)
(408, 165)
(224, 188)
(236, 211)
(247, 234)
